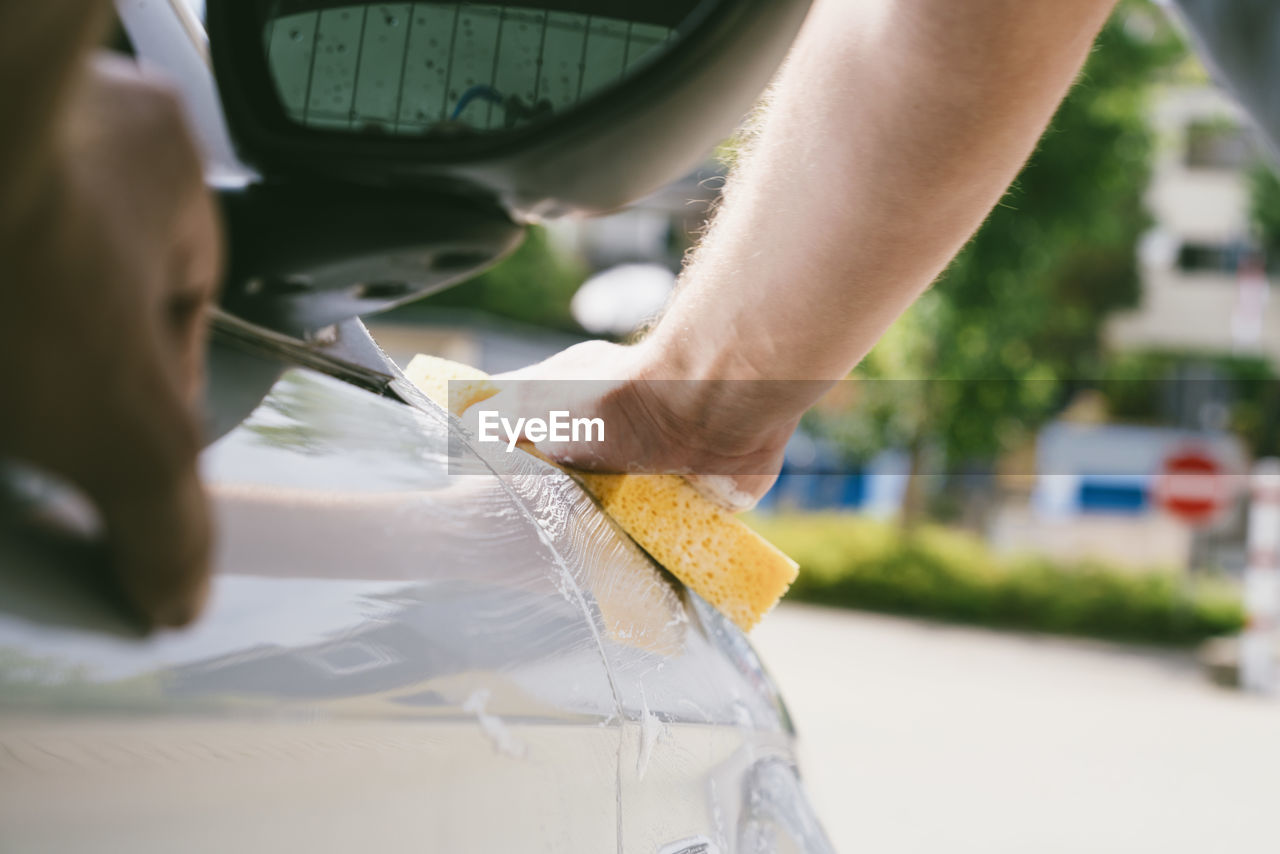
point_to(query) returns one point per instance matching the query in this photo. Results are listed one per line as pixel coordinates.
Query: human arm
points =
(891, 131)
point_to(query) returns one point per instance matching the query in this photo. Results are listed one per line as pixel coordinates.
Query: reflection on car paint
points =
(396, 654)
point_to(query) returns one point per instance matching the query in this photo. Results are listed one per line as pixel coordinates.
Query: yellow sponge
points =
(433, 375)
(706, 547)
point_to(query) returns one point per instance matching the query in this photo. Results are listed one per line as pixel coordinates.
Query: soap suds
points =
(722, 490)
(651, 731)
(492, 726)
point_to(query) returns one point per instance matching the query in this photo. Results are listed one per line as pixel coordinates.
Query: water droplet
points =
(295, 35)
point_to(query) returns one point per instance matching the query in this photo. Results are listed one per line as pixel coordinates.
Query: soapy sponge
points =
(706, 547)
(433, 375)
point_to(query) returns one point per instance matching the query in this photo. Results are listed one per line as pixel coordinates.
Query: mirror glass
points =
(456, 69)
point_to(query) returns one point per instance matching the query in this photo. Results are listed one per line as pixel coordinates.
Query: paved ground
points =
(917, 737)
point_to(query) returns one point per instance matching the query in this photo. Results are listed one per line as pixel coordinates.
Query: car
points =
(409, 646)
(412, 643)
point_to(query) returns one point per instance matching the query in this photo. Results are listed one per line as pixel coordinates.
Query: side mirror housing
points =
(550, 106)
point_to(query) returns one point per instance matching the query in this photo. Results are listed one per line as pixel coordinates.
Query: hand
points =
(102, 331)
(725, 436)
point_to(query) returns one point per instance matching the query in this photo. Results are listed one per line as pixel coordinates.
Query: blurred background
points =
(1043, 470)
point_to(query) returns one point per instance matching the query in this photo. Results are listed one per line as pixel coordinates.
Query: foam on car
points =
(725, 562)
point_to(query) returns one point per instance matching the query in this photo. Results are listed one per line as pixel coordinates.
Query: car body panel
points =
(408, 645)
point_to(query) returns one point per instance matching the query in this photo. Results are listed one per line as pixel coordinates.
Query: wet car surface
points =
(409, 646)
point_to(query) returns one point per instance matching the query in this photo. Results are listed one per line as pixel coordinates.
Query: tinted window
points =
(454, 68)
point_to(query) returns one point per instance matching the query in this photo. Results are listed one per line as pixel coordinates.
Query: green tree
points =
(1134, 392)
(1015, 321)
(1264, 208)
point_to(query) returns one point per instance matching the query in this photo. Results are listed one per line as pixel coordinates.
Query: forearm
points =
(42, 48)
(892, 131)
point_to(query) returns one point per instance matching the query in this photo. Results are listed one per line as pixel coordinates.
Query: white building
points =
(1202, 286)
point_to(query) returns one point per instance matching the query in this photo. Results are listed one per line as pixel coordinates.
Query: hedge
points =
(855, 562)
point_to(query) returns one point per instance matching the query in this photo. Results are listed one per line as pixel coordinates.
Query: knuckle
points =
(160, 125)
(161, 101)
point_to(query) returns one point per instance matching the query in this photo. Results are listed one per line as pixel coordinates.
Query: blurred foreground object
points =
(111, 257)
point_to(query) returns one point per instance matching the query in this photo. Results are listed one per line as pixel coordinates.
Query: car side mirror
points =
(403, 147)
(547, 106)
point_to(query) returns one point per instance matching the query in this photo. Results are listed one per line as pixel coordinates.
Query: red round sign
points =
(1193, 486)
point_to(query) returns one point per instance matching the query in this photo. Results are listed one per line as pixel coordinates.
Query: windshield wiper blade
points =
(349, 354)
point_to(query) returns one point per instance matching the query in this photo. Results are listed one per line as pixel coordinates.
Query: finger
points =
(193, 280)
(561, 410)
(189, 228)
(147, 488)
(160, 535)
